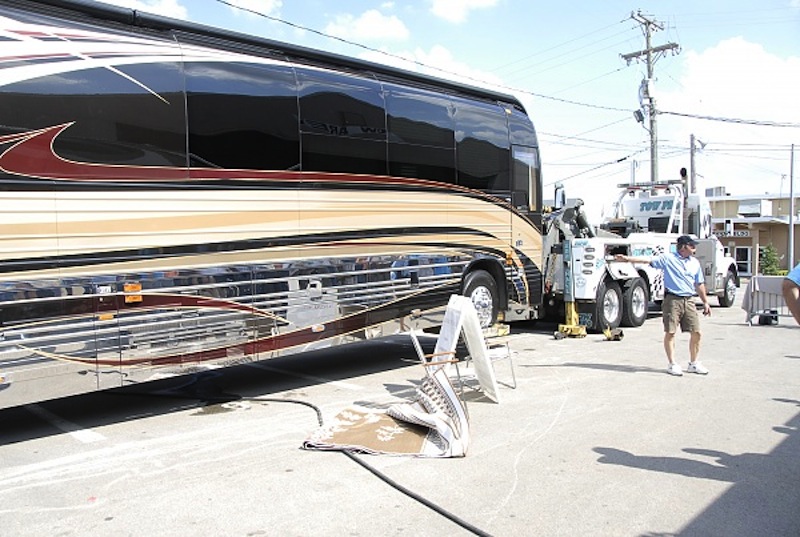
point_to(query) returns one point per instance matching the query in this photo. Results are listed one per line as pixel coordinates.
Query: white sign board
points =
(462, 314)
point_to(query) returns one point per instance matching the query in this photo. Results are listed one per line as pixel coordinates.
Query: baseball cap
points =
(683, 240)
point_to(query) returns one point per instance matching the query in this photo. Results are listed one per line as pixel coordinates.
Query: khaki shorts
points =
(679, 311)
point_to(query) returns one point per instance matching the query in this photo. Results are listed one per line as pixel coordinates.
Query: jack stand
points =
(570, 328)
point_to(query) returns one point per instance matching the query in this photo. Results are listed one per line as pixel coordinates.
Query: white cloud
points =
(456, 11)
(264, 7)
(737, 79)
(438, 62)
(441, 58)
(370, 25)
(167, 8)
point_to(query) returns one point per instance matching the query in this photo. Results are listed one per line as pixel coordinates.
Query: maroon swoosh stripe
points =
(34, 156)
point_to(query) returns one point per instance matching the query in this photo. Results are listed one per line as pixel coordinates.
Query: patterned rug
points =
(435, 424)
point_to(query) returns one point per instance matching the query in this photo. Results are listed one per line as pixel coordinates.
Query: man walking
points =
(683, 279)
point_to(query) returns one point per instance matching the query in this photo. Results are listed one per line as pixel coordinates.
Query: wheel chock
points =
(615, 334)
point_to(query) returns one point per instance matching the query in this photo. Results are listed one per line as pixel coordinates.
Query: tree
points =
(768, 261)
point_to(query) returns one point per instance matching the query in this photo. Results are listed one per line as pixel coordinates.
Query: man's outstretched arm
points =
(791, 295)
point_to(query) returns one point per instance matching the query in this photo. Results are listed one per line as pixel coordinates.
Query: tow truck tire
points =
(728, 291)
(608, 310)
(634, 303)
(481, 289)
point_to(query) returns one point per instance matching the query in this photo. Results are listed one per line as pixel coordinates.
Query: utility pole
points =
(791, 210)
(651, 55)
(692, 174)
(693, 143)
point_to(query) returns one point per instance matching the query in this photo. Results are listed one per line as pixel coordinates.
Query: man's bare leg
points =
(694, 346)
(669, 346)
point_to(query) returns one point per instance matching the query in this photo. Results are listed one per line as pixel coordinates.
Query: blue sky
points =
(738, 59)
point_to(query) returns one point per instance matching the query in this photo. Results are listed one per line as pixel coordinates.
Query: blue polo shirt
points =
(794, 274)
(681, 274)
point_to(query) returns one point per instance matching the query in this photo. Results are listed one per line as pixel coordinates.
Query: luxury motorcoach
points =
(179, 197)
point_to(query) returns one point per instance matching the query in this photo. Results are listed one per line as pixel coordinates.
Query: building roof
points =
(764, 196)
(754, 220)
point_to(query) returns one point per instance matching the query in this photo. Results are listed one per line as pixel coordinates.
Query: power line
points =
(610, 163)
(731, 153)
(561, 64)
(540, 52)
(579, 84)
(562, 137)
(421, 64)
(761, 15)
(762, 123)
(501, 86)
(753, 144)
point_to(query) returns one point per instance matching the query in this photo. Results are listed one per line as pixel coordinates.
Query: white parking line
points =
(86, 436)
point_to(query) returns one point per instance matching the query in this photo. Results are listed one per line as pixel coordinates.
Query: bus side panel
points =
(160, 217)
(62, 105)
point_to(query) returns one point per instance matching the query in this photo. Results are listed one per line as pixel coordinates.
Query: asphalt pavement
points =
(597, 439)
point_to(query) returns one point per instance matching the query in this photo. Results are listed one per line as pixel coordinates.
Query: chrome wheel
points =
(639, 302)
(481, 298)
(611, 308)
(635, 301)
(729, 292)
(481, 289)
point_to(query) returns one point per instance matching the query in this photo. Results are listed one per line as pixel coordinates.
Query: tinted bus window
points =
(133, 116)
(520, 128)
(243, 116)
(421, 136)
(482, 146)
(419, 117)
(527, 184)
(342, 121)
(527, 176)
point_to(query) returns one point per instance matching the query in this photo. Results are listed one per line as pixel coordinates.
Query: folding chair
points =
(437, 360)
(498, 352)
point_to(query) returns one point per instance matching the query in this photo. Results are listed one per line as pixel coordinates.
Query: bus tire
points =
(481, 289)
(728, 295)
(608, 309)
(634, 303)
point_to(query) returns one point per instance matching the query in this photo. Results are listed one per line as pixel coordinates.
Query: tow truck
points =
(589, 288)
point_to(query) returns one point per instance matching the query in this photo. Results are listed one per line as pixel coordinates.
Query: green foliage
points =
(768, 261)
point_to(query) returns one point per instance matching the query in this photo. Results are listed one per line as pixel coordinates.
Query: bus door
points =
(526, 233)
(526, 182)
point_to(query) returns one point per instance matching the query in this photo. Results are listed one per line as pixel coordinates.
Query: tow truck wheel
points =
(634, 303)
(481, 289)
(729, 293)
(608, 310)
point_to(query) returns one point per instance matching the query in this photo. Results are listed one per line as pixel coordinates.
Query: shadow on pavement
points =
(764, 495)
(207, 388)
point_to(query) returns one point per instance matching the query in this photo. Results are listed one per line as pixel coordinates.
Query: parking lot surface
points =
(597, 439)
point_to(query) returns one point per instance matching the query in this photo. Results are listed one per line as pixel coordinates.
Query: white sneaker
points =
(696, 367)
(675, 369)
